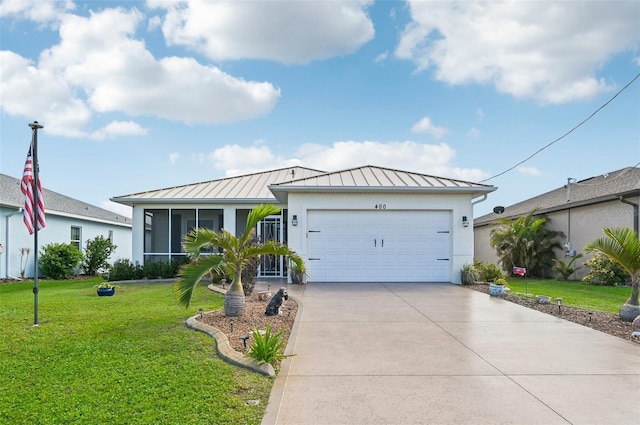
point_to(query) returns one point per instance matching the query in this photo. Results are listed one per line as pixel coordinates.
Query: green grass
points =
(575, 294)
(126, 359)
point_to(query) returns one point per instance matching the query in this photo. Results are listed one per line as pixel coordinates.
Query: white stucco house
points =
(68, 221)
(356, 225)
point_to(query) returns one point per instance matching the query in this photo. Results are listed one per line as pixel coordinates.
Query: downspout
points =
(6, 244)
(484, 198)
(635, 213)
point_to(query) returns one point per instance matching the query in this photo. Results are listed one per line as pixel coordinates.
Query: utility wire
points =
(567, 133)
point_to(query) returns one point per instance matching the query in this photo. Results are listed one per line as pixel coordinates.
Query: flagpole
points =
(34, 146)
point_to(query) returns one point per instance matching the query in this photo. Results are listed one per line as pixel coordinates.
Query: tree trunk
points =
(234, 298)
(631, 309)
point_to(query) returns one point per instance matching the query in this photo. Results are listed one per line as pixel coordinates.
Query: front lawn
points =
(126, 359)
(575, 294)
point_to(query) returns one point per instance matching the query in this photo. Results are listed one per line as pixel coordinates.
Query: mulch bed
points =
(608, 323)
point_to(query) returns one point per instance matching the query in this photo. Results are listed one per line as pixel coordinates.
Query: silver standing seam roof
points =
(248, 188)
(261, 187)
(58, 204)
(377, 179)
(605, 187)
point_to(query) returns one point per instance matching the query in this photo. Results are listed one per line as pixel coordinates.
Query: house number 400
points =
(381, 206)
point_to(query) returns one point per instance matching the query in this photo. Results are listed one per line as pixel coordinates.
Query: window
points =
(76, 237)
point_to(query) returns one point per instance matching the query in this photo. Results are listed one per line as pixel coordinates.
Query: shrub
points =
(564, 269)
(604, 271)
(96, 254)
(468, 274)
(487, 272)
(59, 260)
(123, 269)
(267, 348)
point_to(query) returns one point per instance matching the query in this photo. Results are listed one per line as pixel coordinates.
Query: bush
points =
(604, 271)
(487, 272)
(564, 269)
(96, 253)
(123, 269)
(268, 348)
(468, 274)
(59, 260)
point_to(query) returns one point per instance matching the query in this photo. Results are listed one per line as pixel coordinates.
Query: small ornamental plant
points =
(268, 348)
(500, 281)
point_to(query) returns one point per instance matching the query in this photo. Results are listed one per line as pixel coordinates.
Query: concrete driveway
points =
(406, 353)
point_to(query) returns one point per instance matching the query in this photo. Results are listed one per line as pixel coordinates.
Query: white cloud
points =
(174, 157)
(289, 32)
(408, 155)
(473, 133)
(118, 128)
(382, 57)
(548, 51)
(426, 126)
(529, 171)
(41, 11)
(88, 72)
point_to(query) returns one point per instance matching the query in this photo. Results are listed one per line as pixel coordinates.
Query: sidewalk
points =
(406, 353)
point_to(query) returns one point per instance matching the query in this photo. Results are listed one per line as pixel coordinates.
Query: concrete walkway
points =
(407, 353)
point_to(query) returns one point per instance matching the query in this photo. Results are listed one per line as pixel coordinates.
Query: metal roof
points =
(372, 178)
(57, 204)
(605, 187)
(245, 188)
(261, 187)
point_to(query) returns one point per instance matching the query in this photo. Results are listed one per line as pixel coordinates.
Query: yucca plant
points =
(268, 348)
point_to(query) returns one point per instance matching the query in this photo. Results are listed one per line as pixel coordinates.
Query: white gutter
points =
(6, 244)
(484, 198)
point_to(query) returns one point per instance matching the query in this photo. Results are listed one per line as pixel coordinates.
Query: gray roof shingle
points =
(605, 187)
(56, 203)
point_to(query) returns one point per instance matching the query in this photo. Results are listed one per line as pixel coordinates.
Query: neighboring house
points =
(580, 209)
(361, 224)
(68, 221)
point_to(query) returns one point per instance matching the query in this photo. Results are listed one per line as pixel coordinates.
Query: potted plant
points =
(497, 287)
(106, 289)
(298, 273)
(468, 275)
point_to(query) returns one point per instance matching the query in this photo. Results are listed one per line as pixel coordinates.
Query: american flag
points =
(519, 270)
(27, 189)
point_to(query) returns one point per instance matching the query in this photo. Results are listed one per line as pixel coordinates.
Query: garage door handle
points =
(443, 259)
(314, 259)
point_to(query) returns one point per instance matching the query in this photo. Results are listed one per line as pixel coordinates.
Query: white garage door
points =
(379, 246)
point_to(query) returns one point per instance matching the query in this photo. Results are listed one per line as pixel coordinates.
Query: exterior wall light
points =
(294, 220)
(465, 222)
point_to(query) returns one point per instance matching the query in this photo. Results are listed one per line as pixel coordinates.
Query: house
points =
(68, 221)
(361, 224)
(579, 209)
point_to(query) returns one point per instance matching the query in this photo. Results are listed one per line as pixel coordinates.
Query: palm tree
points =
(622, 246)
(525, 242)
(236, 252)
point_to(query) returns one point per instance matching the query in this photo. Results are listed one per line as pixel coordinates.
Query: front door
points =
(270, 229)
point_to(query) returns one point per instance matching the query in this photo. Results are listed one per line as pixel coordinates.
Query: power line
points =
(567, 133)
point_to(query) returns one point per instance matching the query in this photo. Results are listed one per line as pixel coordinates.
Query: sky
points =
(143, 95)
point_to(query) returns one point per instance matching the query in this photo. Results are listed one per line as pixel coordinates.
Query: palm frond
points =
(191, 274)
(621, 245)
(197, 240)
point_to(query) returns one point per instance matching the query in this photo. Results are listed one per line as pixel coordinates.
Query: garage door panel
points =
(379, 245)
